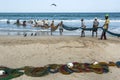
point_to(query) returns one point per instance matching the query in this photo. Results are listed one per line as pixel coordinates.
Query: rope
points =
(70, 28)
(75, 28)
(114, 34)
(66, 69)
(53, 68)
(88, 29)
(36, 71)
(9, 73)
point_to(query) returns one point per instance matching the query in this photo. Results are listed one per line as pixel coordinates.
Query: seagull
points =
(25, 34)
(53, 4)
(31, 34)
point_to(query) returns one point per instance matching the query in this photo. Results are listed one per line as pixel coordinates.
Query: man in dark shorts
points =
(105, 27)
(95, 26)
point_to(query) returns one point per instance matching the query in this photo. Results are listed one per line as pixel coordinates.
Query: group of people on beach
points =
(95, 27)
(18, 23)
(83, 26)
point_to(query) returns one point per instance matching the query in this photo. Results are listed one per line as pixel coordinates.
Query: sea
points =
(69, 19)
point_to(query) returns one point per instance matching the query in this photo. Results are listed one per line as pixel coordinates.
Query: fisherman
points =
(61, 27)
(31, 21)
(95, 26)
(83, 26)
(8, 22)
(105, 27)
(24, 23)
(18, 21)
(52, 24)
(47, 22)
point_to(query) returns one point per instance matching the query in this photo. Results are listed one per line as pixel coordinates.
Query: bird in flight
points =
(53, 4)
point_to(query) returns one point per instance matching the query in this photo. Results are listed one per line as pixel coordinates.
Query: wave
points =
(21, 30)
(67, 21)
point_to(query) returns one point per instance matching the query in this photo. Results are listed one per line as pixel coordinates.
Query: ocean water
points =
(70, 19)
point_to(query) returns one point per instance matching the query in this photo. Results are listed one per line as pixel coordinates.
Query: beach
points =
(69, 19)
(38, 51)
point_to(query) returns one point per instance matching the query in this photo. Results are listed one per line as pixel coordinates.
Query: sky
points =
(62, 6)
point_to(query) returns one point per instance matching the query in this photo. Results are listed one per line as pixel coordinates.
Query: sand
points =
(42, 50)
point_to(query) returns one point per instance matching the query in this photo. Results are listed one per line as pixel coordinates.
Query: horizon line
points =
(61, 12)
